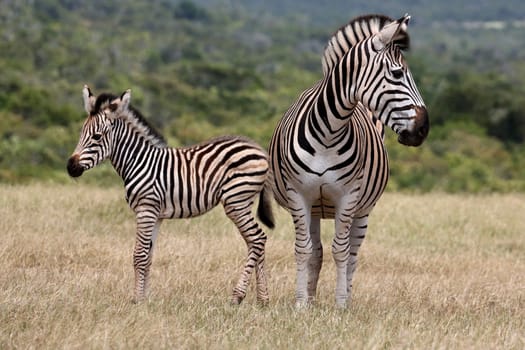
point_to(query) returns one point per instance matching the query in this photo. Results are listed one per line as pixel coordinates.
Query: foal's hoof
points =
(237, 300)
(138, 299)
(263, 302)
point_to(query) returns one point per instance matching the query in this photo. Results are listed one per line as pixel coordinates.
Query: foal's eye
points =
(397, 73)
(96, 137)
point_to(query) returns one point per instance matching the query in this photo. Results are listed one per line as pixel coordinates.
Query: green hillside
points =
(326, 12)
(205, 68)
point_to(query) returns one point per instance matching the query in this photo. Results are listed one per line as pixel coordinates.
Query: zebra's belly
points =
(326, 195)
(350, 200)
(185, 209)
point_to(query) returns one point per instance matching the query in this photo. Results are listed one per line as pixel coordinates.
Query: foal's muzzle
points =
(74, 168)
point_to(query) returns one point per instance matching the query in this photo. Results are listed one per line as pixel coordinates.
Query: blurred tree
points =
(190, 11)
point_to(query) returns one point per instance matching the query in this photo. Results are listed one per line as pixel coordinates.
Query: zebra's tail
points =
(264, 209)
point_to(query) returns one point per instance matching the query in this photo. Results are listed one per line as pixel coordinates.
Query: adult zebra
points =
(327, 156)
(163, 182)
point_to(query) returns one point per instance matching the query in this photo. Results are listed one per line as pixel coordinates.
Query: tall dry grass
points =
(436, 271)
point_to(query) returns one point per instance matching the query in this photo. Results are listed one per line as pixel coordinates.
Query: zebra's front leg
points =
(303, 254)
(316, 259)
(357, 235)
(148, 225)
(255, 239)
(341, 254)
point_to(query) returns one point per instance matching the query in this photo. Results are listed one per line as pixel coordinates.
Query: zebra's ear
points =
(89, 99)
(395, 32)
(121, 104)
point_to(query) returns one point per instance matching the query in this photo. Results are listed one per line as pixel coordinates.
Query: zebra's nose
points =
(419, 132)
(74, 169)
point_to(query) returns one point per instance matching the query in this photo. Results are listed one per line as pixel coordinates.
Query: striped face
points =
(95, 142)
(93, 146)
(392, 94)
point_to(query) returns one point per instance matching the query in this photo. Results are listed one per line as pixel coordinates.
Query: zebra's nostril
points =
(423, 131)
(415, 137)
(425, 126)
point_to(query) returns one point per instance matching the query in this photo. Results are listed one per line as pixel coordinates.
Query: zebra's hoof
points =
(302, 305)
(341, 305)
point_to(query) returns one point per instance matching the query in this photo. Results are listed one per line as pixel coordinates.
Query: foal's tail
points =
(264, 209)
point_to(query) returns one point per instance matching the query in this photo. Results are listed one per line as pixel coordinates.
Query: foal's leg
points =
(240, 212)
(148, 225)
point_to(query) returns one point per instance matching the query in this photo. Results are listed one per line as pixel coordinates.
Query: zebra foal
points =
(327, 153)
(163, 182)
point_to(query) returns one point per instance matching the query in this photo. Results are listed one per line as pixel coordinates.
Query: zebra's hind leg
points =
(148, 226)
(255, 238)
(316, 259)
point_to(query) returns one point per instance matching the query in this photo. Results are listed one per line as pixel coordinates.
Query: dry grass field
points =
(436, 271)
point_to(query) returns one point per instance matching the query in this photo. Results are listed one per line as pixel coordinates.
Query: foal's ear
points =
(121, 104)
(395, 32)
(89, 99)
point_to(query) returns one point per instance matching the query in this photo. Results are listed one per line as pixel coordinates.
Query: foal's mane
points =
(134, 119)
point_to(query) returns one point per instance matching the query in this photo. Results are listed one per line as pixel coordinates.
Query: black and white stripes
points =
(327, 154)
(164, 183)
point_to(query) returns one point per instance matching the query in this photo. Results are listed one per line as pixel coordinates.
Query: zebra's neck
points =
(132, 150)
(335, 101)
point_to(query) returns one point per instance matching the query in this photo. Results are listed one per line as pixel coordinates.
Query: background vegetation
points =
(452, 278)
(210, 67)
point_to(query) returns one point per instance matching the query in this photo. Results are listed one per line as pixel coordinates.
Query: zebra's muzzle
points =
(419, 133)
(74, 168)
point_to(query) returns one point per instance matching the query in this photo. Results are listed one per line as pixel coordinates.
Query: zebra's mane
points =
(355, 31)
(134, 118)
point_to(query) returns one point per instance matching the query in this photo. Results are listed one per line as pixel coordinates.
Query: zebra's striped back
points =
(163, 182)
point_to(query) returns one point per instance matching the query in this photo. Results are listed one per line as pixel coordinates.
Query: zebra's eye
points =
(96, 137)
(397, 73)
